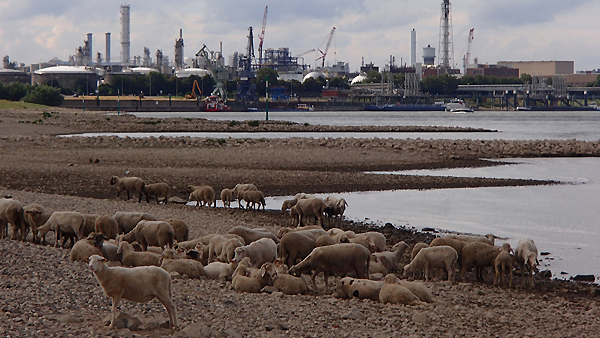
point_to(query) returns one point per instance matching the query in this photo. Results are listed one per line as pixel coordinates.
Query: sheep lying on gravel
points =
(419, 290)
(264, 274)
(251, 235)
(187, 267)
(158, 190)
(180, 228)
(479, 255)
(127, 220)
(107, 226)
(254, 199)
(131, 185)
(349, 287)
(295, 246)
(226, 197)
(441, 257)
(35, 217)
(203, 195)
(337, 258)
(289, 285)
(526, 254)
(242, 187)
(262, 251)
(503, 266)
(108, 249)
(242, 283)
(155, 233)
(11, 211)
(130, 257)
(391, 259)
(191, 244)
(222, 247)
(84, 249)
(140, 285)
(394, 293)
(220, 270)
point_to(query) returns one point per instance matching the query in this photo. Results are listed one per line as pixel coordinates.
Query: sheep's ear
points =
(263, 271)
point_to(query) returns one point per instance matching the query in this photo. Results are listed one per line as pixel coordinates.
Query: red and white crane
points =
(261, 37)
(324, 53)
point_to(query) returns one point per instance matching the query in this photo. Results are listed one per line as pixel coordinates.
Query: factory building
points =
(14, 75)
(66, 77)
(541, 68)
(493, 70)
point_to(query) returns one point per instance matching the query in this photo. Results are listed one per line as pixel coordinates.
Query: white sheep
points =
(391, 259)
(11, 211)
(314, 207)
(131, 185)
(254, 199)
(287, 204)
(107, 226)
(83, 249)
(261, 251)
(127, 220)
(242, 187)
(242, 283)
(158, 190)
(377, 238)
(130, 257)
(349, 287)
(182, 231)
(479, 255)
(488, 239)
(222, 247)
(35, 217)
(453, 242)
(415, 250)
(442, 257)
(503, 266)
(226, 197)
(295, 246)
(147, 233)
(220, 270)
(64, 222)
(419, 290)
(526, 255)
(250, 235)
(394, 293)
(141, 284)
(203, 195)
(289, 285)
(312, 231)
(187, 267)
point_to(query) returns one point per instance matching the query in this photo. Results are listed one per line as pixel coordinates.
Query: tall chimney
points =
(125, 32)
(413, 48)
(107, 54)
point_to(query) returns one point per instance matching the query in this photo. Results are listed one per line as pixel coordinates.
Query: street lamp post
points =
(267, 98)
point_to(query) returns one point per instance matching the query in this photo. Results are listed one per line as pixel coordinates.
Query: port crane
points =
(215, 64)
(324, 53)
(467, 57)
(261, 37)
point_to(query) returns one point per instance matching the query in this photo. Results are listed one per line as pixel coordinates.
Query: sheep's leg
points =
(314, 275)
(115, 305)
(427, 272)
(58, 233)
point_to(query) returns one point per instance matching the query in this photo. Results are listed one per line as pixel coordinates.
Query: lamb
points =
(220, 270)
(156, 233)
(180, 228)
(391, 259)
(488, 239)
(140, 285)
(314, 207)
(296, 246)
(203, 195)
(419, 290)
(443, 257)
(251, 235)
(158, 190)
(242, 187)
(264, 274)
(241, 283)
(84, 249)
(131, 257)
(337, 258)
(526, 255)
(128, 220)
(262, 251)
(394, 293)
(222, 247)
(479, 255)
(35, 216)
(253, 198)
(187, 267)
(11, 211)
(377, 238)
(226, 197)
(377, 267)
(503, 266)
(107, 226)
(367, 243)
(131, 185)
(339, 235)
(289, 285)
(63, 222)
(416, 248)
(349, 287)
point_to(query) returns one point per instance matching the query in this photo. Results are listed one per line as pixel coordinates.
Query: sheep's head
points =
(98, 239)
(268, 270)
(95, 262)
(285, 205)
(399, 245)
(391, 279)
(123, 246)
(531, 260)
(506, 247)
(114, 180)
(406, 270)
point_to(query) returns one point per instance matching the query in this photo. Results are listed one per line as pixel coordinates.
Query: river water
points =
(562, 219)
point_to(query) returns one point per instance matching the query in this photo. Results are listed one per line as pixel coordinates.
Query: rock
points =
(545, 274)
(123, 321)
(544, 253)
(421, 318)
(277, 294)
(66, 318)
(196, 330)
(429, 229)
(354, 314)
(564, 273)
(229, 303)
(177, 200)
(584, 278)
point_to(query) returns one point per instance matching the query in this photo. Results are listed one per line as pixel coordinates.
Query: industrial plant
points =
(551, 83)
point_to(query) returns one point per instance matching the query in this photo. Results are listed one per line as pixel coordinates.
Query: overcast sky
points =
(37, 30)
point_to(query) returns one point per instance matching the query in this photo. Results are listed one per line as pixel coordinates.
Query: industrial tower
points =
(125, 34)
(446, 47)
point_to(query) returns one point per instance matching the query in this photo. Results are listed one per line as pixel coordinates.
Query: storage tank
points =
(429, 55)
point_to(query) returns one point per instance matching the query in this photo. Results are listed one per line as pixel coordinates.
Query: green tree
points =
(443, 84)
(526, 78)
(45, 95)
(339, 82)
(14, 91)
(373, 76)
(261, 76)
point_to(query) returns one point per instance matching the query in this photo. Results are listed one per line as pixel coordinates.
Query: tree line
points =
(40, 94)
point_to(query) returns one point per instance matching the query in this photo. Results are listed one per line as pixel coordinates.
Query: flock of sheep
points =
(151, 251)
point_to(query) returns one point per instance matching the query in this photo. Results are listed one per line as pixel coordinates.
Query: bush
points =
(254, 123)
(45, 95)
(14, 91)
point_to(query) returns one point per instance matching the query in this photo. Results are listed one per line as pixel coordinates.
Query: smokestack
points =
(107, 54)
(125, 32)
(89, 51)
(179, 51)
(413, 48)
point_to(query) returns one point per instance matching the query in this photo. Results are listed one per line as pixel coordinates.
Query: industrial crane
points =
(220, 75)
(261, 37)
(467, 58)
(324, 53)
(304, 53)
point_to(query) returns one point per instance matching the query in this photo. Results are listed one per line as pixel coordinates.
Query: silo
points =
(429, 55)
(125, 32)
(413, 48)
(107, 55)
(179, 51)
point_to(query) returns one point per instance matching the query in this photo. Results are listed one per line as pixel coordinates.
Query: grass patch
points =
(5, 104)
(306, 124)
(151, 122)
(233, 123)
(254, 123)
